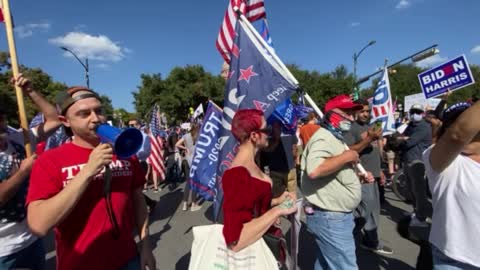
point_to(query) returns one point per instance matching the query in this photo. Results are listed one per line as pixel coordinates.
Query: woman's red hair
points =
(245, 122)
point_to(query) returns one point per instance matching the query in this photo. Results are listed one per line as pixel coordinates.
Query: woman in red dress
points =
(248, 209)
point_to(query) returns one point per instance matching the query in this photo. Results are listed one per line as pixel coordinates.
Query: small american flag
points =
(156, 155)
(253, 10)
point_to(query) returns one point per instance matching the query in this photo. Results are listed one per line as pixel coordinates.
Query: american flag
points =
(156, 155)
(1, 12)
(253, 10)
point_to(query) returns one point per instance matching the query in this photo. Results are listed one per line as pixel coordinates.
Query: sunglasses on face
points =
(416, 112)
(266, 130)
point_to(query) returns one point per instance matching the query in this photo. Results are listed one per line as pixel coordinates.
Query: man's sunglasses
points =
(416, 112)
(266, 130)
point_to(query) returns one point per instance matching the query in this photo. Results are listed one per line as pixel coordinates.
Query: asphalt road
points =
(171, 235)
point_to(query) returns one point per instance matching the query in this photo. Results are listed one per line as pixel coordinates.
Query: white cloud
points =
(27, 30)
(354, 24)
(476, 49)
(403, 4)
(92, 47)
(102, 66)
(431, 61)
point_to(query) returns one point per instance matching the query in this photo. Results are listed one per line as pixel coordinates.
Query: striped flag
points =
(156, 155)
(253, 10)
(37, 120)
(382, 107)
(2, 19)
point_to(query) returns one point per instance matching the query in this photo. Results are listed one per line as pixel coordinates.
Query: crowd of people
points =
(95, 203)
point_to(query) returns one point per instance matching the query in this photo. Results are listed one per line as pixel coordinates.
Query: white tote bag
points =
(209, 251)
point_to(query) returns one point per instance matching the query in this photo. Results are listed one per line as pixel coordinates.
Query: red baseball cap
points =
(342, 102)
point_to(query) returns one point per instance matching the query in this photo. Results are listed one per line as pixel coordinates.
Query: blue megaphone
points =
(126, 143)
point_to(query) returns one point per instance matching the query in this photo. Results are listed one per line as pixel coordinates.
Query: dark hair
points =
(245, 122)
(311, 116)
(451, 114)
(362, 102)
(3, 113)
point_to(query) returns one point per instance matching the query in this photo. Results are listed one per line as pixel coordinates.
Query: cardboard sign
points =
(420, 99)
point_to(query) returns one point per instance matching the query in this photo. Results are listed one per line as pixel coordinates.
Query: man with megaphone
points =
(90, 195)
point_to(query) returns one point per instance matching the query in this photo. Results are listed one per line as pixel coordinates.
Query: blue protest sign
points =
(203, 172)
(449, 76)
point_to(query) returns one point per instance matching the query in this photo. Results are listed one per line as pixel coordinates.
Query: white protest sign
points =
(419, 98)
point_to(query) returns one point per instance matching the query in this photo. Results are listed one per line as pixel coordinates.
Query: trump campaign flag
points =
(203, 171)
(257, 79)
(382, 107)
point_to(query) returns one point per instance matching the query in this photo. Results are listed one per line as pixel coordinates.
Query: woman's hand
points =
(287, 208)
(285, 195)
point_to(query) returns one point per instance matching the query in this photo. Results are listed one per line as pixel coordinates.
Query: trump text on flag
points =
(448, 76)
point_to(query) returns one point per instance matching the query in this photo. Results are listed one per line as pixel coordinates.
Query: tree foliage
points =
(41, 81)
(184, 87)
(322, 87)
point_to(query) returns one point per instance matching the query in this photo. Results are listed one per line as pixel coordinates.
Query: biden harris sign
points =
(449, 76)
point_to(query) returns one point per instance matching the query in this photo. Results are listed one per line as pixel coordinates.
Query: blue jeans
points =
(442, 262)
(31, 257)
(333, 233)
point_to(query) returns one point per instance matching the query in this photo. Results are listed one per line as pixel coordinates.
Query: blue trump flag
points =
(285, 113)
(257, 79)
(203, 172)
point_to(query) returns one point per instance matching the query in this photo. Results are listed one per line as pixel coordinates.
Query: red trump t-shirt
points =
(84, 239)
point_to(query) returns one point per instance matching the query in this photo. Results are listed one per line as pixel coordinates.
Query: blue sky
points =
(124, 39)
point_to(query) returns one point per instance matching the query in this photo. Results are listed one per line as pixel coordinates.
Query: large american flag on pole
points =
(253, 10)
(156, 155)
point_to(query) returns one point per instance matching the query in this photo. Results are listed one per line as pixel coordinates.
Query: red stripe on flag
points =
(156, 156)
(252, 9)
(2, 19)
(384, 111)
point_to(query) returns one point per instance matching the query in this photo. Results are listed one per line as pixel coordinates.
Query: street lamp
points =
(355, 61)
(85, 66)
(416, 57)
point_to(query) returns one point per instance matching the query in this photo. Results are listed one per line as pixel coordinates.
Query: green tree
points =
(42, 82)
(322, 87)
(184, 87)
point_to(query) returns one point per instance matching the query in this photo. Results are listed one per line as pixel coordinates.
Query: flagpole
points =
(282, 65)
(13, 58)
(267, 47)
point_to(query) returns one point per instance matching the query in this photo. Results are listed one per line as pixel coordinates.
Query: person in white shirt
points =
(453, 169)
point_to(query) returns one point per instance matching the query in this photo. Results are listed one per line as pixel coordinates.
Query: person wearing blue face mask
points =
(416, 139)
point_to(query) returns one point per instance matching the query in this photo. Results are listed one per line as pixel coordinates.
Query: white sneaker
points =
(184, 208)
(195, 207)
